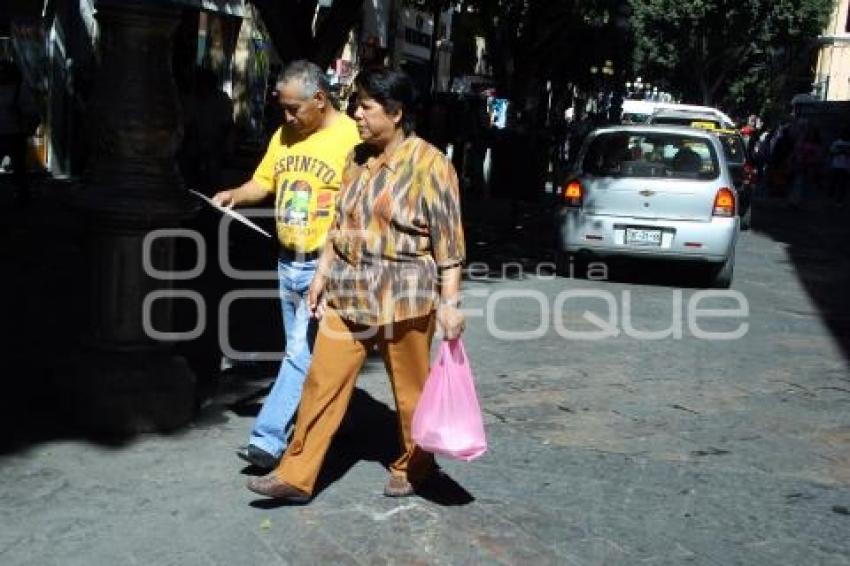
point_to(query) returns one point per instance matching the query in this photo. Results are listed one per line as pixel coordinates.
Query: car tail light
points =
(573, 193)
(724, 202)
(749, 174)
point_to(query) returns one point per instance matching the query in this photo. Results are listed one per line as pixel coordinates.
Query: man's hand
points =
(451, 321)
(224, 198)
(249, 193)
(316, 301)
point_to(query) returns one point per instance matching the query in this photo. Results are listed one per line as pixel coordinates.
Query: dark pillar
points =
(127, 381)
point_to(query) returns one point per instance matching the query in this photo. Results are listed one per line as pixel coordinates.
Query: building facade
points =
(414, 38)
(400, 36)
(55, 42)
(832, 79)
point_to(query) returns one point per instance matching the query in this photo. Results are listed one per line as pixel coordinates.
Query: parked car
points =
(662, 192)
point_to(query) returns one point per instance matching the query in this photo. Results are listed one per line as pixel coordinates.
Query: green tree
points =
(290, 27)
(740, 52)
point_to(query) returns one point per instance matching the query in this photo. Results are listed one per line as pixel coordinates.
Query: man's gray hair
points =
(310, 75)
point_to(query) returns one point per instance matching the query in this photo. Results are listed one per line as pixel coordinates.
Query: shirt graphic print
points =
(305, 176)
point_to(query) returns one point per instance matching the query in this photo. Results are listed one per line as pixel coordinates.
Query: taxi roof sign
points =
(712, 127)
(704, 125)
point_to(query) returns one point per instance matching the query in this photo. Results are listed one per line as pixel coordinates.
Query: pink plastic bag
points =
(447, 420)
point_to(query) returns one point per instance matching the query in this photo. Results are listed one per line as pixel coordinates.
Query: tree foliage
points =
(534, 41)
(743, 53)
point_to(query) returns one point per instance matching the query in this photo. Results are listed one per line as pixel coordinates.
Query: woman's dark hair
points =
(391, 89)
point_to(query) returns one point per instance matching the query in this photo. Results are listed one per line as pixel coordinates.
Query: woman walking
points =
(389, 273)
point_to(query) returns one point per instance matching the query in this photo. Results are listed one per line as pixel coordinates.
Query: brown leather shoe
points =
(270, 486)
(398, 486)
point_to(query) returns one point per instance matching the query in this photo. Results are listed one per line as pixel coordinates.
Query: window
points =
(656, 155)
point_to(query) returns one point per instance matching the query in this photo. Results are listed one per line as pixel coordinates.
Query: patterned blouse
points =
(398, 224)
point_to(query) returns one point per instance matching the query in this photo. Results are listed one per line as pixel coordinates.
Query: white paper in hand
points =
(230, 212)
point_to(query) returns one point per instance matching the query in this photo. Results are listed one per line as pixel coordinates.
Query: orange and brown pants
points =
(340, 350)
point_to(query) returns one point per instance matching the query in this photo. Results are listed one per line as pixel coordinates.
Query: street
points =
(613, 451)
(185, 183)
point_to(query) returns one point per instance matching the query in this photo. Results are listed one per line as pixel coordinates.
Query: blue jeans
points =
(270, 428)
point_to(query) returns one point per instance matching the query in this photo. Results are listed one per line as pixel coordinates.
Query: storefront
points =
(22, 39)
(55, 42)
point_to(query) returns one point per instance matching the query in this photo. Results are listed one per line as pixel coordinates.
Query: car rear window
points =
(635, 118)
(662, 155)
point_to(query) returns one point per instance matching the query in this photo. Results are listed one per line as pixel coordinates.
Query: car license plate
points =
(642, 237)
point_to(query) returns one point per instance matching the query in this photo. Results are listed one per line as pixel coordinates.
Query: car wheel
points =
(721, 276)
(747, 218)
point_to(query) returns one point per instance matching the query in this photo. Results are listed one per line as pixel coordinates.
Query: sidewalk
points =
(69, 498)
(562, 483)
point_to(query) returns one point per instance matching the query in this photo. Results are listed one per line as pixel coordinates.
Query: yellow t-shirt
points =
(305, 176)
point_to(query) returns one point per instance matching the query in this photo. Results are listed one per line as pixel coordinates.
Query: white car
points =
(660, 192)
(685, 114)
(637, 111)
(643, 111)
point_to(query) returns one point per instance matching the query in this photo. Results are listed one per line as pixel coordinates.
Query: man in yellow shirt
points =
(302, 168)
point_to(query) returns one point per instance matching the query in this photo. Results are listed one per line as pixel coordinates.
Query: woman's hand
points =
(451, 321)
(316, 301)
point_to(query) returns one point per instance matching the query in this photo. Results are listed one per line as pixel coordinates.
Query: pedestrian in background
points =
(208, 133)
(758, 151)
(390, 272)
(779, 150)
(302, 168)
(806, 165)
(839, 168)
(272, 114)
(212, 129)
(18, 120)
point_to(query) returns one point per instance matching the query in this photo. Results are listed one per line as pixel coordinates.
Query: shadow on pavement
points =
(445, 491)
(818, 247)
(269, 504)
(369, 432)
(46, 303)
(42, 293)
(658, 273)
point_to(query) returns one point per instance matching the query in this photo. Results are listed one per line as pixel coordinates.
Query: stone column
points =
(127, 381)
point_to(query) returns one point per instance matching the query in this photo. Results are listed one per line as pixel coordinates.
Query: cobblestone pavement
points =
(616, 451)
